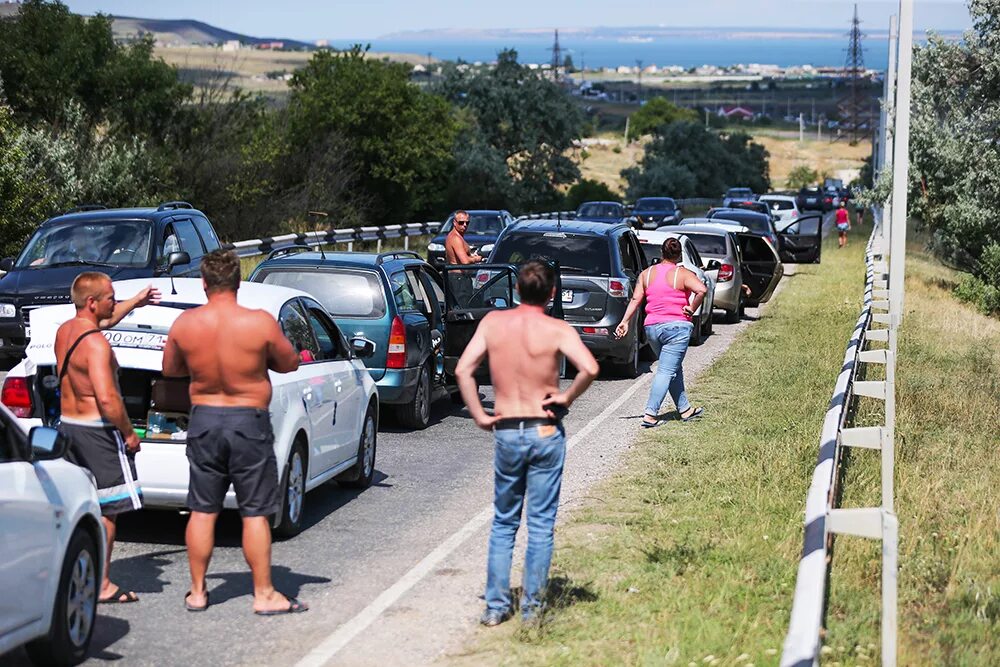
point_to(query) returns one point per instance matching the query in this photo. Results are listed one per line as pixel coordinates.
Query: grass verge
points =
(688, 555)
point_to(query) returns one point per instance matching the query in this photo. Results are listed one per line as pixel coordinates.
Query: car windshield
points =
(479, 223)
(113, 243)
(599, 211)
(709, 244)
(585, 254)
(654, 205)
(739, 192)
(755, 222)
(779, 204)
(343, 293)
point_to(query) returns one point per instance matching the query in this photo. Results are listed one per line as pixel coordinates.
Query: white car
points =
(784, 208)
(51, 546)
(651, 243)
(324, 415)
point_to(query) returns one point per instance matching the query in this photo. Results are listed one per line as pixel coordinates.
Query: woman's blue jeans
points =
(669, 341)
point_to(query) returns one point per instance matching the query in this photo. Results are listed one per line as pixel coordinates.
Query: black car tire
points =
(362, 473)
(417, 413)
(696, 333)
(630, 368)
(293, 492)
(67, 642)
(707, 324)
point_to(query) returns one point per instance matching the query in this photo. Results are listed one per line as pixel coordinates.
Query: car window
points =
(630, 262)
(755, 222)
(122, 243)
(578, 253)
(207, 233)
(344, 293)
(431, 282)
(297, 330)
(479, 223)
(402, 291)
(755, 249)
(709, 244)
(807, 226)
(328, 336)
(654, 205)
(779, 204)
(692, 252)
(652, 251)
(418, 291)
(600, 211)
(185, 238)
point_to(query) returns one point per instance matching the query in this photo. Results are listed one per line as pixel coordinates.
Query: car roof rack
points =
(86, 207)
(173, 205)
(396, 254)
(287, 250)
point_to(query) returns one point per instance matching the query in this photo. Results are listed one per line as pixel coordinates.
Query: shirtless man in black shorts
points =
(93, 417)
(227, 351)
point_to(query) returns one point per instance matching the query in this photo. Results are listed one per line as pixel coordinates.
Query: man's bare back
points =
(227, 350)
(77, 391)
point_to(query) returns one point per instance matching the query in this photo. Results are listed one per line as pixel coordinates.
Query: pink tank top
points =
(664, 301)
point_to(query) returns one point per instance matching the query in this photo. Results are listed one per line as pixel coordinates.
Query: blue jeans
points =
(524, 462)
(669, 341)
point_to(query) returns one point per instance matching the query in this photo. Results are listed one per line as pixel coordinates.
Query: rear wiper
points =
(573, 269)
(80, 262)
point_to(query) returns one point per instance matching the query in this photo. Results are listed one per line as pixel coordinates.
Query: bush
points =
(655, 113)
(982, 295)
(589, 190)
(802, 177)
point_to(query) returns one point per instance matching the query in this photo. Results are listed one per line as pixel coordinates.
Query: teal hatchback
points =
(393, 299)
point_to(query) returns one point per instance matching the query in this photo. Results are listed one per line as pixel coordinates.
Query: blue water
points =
(683, 50)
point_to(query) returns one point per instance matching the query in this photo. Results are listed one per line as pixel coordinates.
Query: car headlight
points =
(486, 249)
(8, 310)
(435, 247)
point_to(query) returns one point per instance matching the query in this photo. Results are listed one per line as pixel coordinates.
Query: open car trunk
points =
(158, 407)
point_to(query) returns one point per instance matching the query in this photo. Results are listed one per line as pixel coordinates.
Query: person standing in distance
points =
(227, 350)
(456, 249)
(843, 220)
(667, 289)
(93, 417)
(524, 347)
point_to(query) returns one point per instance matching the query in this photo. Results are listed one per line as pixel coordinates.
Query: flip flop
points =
(694, 415)
(658, 422)
(192, 607)
(294, 607)
(116, 597)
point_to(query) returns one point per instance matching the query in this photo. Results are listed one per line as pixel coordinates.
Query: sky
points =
(308, 20)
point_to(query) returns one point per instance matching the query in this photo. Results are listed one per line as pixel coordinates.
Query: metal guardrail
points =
(350, 235)
(822, 518)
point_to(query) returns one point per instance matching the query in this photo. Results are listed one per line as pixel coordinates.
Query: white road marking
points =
(352, 628)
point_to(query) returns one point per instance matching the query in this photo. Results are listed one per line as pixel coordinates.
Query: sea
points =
(785, 48)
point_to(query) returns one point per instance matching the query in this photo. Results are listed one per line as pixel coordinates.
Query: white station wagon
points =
(324, 415)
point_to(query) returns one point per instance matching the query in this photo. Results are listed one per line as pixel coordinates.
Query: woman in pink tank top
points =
(671, 294)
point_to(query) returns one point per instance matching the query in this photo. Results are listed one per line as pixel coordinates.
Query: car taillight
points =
(617, 288)
(827, 200)
(725, 273)
(16, 396)
(396, 356)
(482, 277)
(795, 214)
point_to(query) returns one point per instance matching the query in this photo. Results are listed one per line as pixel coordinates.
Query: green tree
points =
(589, 190)
(656, 113)
(24, 199)
(400, 136)
(801, 177)
(526, 120)
(568, 64)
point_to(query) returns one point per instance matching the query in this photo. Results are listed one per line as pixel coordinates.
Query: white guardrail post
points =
(884, 287)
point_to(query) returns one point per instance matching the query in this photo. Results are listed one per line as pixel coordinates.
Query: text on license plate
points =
(567, 295)
(140, 340)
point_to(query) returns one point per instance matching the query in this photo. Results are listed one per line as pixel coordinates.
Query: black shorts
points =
(232, 446)
(100, 449)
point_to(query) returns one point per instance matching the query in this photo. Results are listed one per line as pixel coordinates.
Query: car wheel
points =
(361, 475)
(708, 325)
(696, 338)
(733, 316)
(293, 490)
(630, 369)
(417, 414)
(75, 607)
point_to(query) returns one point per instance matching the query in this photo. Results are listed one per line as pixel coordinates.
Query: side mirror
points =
(498, 302)
(362, 347)
(46, 443)
(713, 265)
(178, 258)
(6, 264)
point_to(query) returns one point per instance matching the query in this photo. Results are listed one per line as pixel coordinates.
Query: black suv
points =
(123, 243)
(598, 265)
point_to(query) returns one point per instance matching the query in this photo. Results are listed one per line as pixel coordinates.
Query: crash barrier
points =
(348, 235)
(822, 518)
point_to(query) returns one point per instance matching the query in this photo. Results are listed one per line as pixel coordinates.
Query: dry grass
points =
(836, 159)
(604, 162)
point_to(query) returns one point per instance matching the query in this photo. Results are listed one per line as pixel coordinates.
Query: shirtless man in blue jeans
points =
(524, 347)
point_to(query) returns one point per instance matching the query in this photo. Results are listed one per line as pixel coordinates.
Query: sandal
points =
(294, 607)
(658, 422)
(694, 414)
(190, 607)
(116, 597)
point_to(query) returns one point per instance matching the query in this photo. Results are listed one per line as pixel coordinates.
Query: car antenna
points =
(319, 214)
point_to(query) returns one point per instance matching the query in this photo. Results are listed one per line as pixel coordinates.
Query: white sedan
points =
(51, 546)
(324, 415)
(652, 241)
(784, 208)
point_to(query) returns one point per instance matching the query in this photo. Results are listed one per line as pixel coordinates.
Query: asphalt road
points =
(395, 569)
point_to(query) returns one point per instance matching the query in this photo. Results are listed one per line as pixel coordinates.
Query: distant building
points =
(231, 45)
(735, 112)
(322, 43)
(271, 45)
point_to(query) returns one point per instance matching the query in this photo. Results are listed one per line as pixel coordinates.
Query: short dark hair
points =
(86, 285)
(221, 271)
(535, 282)
(671, 249)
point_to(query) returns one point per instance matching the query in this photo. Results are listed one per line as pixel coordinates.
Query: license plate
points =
(567, 295)
(139, 340)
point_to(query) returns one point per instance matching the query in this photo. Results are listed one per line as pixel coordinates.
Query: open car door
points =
(472, 291)
(760, 267)
(800, 242)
